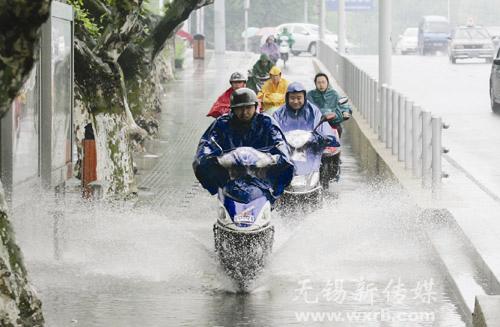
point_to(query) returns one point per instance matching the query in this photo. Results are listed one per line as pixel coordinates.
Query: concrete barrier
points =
(487, 311)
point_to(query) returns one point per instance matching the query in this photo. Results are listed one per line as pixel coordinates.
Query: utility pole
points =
(306, 11)
(449, 12)
(220, 26)
(247, 7)
(322, 19)
(384, 42)
(202, 20)
(342, 27)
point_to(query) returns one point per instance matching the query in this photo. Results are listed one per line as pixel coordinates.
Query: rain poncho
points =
(272, 95)
(261, 133)
(306, 119)
(223, 104)
(260, 69)
(286, 33)
(272, 50)
(262, 66)
(328, 102)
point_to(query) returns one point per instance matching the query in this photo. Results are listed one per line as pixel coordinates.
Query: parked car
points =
(495, 35)
(470, 42)
(495, 83)
(407, 42)
(306, 37)
(433, 33)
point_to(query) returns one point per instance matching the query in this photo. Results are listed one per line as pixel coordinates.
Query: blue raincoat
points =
(261, 133)
(306, 119)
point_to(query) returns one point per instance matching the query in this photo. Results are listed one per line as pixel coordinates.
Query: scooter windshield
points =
(247, 180)
(304, 157)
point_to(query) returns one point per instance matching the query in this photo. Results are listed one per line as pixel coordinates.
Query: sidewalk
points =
(182, 122)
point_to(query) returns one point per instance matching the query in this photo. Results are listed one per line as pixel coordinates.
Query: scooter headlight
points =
(299, 181)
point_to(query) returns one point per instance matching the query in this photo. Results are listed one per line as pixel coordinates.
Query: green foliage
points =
(82, 17)
(180, 48)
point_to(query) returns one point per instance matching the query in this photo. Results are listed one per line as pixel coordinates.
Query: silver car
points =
(470, 42)
(306, 37)
(407, 42)
(495, 84)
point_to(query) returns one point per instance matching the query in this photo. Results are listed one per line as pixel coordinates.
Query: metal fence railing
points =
(412, 134)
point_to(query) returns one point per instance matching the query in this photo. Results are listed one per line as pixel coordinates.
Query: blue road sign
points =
(351, 5)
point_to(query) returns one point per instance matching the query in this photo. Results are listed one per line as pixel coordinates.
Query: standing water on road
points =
(362, 259)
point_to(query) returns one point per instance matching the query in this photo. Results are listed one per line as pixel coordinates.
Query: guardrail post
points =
(401, 128)
(367, 98)
(363, 94)
(408, 133)
(388, 119)
(356, 88)
(370, 101)
(437, 150)
(417, 141)
(426, 149)
(372, 104)
(382, 111)
(395, 122)
(375, 107)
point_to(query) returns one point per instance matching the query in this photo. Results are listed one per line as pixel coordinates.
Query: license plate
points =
(245, 217)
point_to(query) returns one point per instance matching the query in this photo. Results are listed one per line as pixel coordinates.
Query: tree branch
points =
(176, 12)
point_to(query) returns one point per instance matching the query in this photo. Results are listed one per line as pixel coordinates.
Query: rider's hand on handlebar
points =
(266, 160)
(226, 160)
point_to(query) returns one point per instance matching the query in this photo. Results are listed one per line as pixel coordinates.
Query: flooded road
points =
(360, 260)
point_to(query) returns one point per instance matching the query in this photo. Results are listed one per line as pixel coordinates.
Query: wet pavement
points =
(361, 260)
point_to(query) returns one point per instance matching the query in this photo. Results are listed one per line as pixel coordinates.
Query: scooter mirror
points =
(343, 100)
(326, 117)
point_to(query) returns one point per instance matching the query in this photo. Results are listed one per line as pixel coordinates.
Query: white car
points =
(407, 42)
(306, 37)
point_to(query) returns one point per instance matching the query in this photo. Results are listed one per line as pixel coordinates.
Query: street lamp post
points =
(322, 21)
(306, 11)
(342, 27)
(384, 42)
(247, 7)
(220, 26)
(449, 12)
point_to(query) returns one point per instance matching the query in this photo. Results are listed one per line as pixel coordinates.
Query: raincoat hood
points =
(264, 57)
(261, 69)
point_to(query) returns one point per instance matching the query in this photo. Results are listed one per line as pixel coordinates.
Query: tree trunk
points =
(19, 34)
(116, 72)
(19, 305)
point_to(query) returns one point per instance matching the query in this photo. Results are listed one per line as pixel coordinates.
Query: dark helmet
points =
(237, 77)
(243, 97)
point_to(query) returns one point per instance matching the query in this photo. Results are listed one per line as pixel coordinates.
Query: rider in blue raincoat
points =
(243, 127)
(300, 114)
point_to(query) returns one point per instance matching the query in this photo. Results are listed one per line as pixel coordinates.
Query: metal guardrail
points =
(413, 135)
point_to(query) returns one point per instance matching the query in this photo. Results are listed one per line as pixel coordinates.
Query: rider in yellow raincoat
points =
(273, 91)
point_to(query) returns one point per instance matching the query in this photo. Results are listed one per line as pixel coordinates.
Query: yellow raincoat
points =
(273, 96)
